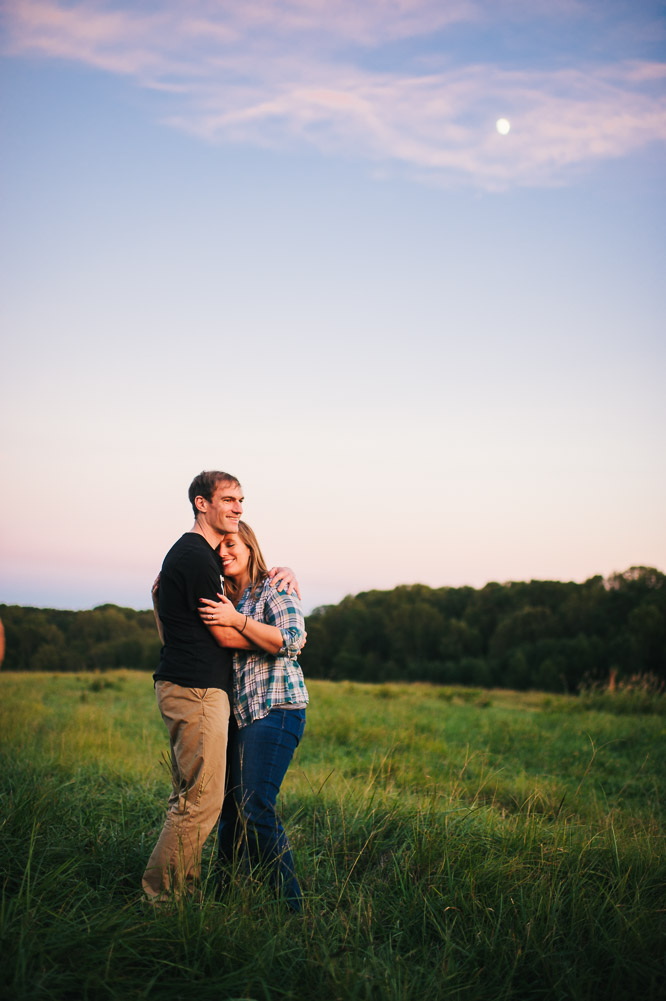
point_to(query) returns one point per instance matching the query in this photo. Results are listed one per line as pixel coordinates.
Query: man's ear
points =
(200, 503)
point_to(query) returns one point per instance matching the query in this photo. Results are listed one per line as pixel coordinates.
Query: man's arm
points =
(284, 578)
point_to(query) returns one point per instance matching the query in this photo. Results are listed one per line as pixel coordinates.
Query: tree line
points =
(548, 635)
(50, 639)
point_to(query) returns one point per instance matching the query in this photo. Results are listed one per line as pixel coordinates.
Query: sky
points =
(287, 240)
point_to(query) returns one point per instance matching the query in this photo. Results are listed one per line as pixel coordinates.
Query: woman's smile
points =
(235, 555)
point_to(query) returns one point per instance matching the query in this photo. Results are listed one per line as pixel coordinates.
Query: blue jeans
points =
(259, 755)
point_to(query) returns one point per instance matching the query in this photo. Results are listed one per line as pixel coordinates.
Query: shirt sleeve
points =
(284, 611)
(201, 580)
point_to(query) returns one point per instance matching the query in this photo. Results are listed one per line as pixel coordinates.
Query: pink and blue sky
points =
(286, 239)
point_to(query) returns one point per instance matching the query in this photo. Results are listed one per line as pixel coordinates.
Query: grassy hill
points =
(453, 843)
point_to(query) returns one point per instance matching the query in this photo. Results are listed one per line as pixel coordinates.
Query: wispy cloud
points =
(299, 73)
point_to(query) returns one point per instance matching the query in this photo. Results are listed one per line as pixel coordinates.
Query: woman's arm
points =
(284, 611)
(238, 630)
(224, 636)
(156, 612)
(229, 637)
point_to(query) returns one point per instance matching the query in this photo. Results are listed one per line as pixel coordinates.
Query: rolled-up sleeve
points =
(284, 611)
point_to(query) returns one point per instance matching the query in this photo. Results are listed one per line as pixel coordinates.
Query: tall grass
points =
(452, 843)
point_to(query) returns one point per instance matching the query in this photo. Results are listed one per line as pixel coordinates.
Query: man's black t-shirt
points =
(190, 656)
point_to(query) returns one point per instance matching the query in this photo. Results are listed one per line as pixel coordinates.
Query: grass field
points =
(452, 843)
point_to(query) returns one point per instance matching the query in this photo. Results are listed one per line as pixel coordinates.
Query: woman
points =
(268, 708)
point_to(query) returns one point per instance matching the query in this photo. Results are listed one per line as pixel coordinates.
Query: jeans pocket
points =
(291, 721)
(294, 722)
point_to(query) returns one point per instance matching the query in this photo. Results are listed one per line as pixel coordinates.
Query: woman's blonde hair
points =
(256, 565)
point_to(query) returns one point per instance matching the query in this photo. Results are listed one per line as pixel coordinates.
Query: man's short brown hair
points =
(206, 483)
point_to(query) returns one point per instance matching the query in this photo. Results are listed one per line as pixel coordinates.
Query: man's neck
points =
(212, 537)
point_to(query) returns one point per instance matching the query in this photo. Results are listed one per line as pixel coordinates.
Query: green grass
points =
(453, 843)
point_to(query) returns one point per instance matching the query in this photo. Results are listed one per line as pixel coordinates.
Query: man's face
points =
(223, 512)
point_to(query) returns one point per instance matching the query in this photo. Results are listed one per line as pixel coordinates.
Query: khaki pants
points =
(197, 720)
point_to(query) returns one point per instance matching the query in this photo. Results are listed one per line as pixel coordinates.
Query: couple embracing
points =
(231, 694)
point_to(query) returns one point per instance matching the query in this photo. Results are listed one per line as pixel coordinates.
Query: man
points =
(193, 684)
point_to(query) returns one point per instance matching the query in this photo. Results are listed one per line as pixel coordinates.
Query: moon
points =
(503, 126)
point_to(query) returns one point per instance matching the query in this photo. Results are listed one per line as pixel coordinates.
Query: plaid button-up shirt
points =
(263, 680)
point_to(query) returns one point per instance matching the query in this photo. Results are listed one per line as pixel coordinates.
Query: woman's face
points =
(235, 556)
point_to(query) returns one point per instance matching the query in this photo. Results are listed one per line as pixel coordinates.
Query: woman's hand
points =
(154, 589)
(220, 613)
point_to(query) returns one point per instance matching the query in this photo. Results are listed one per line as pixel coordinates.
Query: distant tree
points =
(647, 626)
(517, 673)
(550, 676)
(526, 625)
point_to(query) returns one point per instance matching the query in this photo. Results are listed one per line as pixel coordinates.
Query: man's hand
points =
(283, 577)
